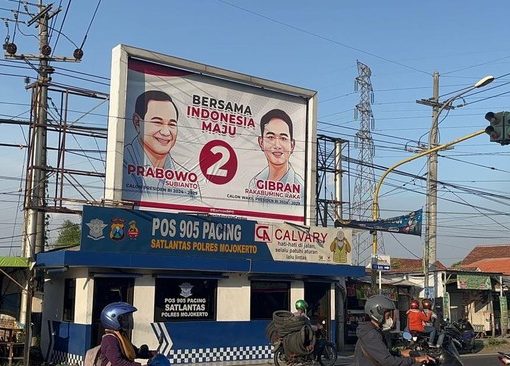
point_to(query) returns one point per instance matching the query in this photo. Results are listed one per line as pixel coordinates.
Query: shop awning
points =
(137, 261)
(14, 262)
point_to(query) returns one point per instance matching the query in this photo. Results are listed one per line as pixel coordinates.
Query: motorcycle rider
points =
(301, 309)
(116, 348)
(416, 320)
(429, 326)
(371, 348)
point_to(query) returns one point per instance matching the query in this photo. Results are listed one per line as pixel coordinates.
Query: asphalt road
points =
(485, 360)
(467, 360)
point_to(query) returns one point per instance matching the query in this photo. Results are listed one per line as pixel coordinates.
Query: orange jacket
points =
(415, 319)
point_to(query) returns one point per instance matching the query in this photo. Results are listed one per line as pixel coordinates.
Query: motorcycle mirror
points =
(407, 336)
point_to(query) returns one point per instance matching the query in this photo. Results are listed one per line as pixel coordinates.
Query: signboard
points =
(381, 263)
(184, 299)
(191, 139)
(446, 305)
(503, 305)
(133, 231)
(473, 282)
(406, 224)
(314, 244)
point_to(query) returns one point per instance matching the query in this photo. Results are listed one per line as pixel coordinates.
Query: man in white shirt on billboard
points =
(147, 158)
(277, 142)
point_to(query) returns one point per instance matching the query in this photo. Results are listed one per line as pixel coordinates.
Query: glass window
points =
(178, 299)
(267, 297)
(69, 299)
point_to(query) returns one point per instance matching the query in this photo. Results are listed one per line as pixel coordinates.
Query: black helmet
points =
(377, 305)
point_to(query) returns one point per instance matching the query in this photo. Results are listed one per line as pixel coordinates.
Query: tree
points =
(68, 234)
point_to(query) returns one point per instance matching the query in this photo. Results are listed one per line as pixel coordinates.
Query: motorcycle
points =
(462, 331)
(504, 358)
(323, 352)
(445, 354)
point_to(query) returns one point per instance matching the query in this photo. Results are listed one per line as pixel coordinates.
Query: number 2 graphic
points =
(218, 162)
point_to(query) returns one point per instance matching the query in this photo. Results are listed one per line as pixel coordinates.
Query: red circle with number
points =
(218, 162)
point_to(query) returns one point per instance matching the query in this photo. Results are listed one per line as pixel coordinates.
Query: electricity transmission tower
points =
(365, 177)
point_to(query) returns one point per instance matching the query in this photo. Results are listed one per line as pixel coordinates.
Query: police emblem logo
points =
(96, 228)
(186, 289)
(117, 229)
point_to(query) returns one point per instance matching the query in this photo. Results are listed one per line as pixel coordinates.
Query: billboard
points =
(188, 137)
(192, 236)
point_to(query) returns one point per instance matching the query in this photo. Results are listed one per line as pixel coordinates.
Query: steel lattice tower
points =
(365, 177)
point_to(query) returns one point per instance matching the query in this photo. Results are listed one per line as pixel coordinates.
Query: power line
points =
(322, 37)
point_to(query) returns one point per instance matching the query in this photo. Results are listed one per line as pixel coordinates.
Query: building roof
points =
(408, 265)
(63, 259)
(501, 265)
(486, 252)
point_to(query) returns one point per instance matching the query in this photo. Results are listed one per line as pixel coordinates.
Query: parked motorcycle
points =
(323, 352)
(504, 358)
(463, 332)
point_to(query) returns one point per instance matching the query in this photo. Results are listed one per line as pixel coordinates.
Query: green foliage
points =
(456, 264)
(496, 341)
(69, 234)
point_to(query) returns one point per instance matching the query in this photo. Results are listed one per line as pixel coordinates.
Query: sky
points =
(314, 45)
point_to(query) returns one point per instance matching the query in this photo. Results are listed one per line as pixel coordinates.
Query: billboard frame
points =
(117, 118)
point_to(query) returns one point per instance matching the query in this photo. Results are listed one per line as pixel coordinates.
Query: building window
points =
(179, 299)
(69, 299)
(267, 297)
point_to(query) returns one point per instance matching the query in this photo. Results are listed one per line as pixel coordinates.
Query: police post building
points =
(195, 230)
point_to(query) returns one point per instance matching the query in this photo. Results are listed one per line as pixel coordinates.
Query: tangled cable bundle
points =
(294, 331)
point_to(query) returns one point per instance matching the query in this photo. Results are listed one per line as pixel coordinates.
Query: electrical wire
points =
(327, 39)
(61, 26)
(90, 24)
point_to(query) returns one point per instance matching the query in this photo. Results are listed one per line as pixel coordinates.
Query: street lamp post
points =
(375, 201)
(430, 253)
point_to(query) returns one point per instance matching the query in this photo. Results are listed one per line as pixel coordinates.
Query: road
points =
(467, 360)
(485, 360)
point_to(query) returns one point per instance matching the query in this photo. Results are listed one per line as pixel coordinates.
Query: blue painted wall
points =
(71, 337)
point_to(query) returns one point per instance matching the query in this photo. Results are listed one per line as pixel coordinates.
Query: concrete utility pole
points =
(37, 170)
(35, 197)
(430, 250)
(430, 256)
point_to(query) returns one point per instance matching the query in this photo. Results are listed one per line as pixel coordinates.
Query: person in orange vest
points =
(416, 320)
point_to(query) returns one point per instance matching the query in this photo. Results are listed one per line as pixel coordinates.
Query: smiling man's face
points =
(158, 128)
(276, 142)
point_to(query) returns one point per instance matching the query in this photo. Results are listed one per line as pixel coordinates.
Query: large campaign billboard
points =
(188, 137)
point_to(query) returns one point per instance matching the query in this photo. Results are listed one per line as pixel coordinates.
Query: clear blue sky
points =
(314, 44)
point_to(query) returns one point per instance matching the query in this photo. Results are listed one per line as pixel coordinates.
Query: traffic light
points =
(499, 129)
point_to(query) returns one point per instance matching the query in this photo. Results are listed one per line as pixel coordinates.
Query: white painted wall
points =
(143, 300)
(332, 301)
(297, 292)
(84, 296)
(233, 298)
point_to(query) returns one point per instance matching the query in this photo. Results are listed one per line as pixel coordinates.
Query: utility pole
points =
(37, 171)
(35, 198)
(430, 256)
(430, 251)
